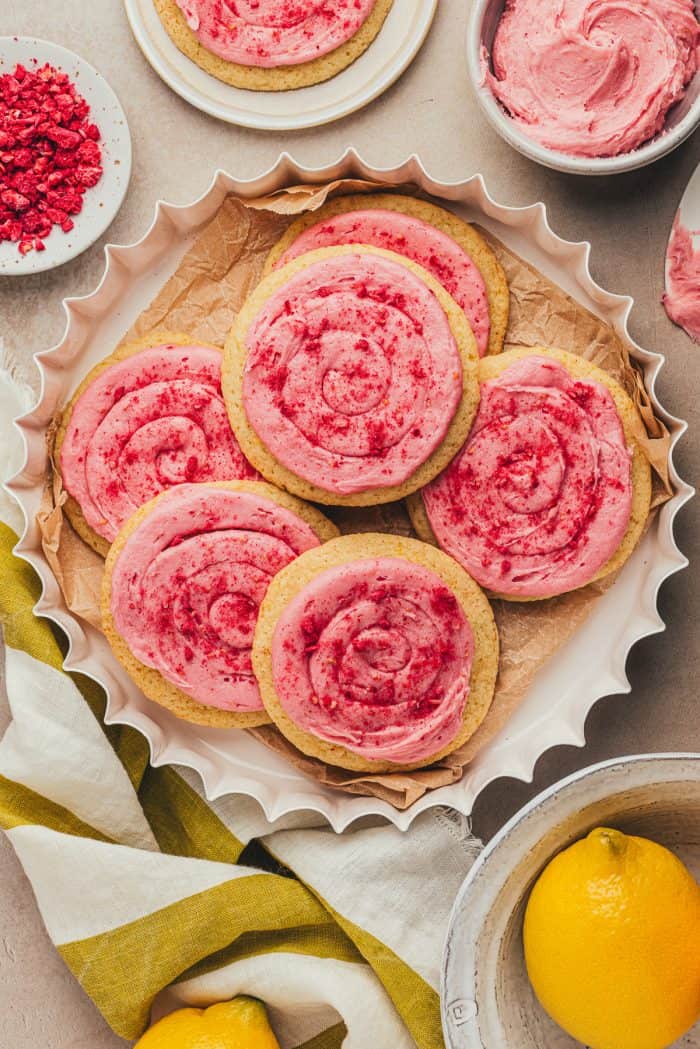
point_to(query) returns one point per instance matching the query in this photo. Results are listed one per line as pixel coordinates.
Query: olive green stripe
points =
(314, 940)
(333, 1038)
(20, 806)
(24, 630)
(416, 1002)
(182, 822)
(123, 969)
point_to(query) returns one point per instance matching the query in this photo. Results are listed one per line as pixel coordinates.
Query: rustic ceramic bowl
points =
(681, 122)
(487, 1001)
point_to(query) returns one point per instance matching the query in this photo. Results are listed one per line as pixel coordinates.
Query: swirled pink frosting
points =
(150, 421)
(353, 374)
(375, 656)
(187, 586)
(270, 33)
(540, 496)
(682, 298)
(448, 262)
(593, 78)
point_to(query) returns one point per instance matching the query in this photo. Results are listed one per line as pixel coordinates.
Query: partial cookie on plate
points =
(351, 376)
(270, 45)
(149, 416)
(449, 248)
(552, 488)
(183, 583)
(376, 653)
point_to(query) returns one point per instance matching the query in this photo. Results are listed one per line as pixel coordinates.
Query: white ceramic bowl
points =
(487, 1000)
(682, 120)
(103, 201)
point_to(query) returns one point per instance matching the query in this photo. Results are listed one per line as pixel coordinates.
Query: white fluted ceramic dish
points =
(589, 666)
(387, 57)
(487, 1001)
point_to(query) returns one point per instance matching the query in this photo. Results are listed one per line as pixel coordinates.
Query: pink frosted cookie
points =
(376, 652)
(443, 244)
(272, 45)
(350, 376)
(183, 583)
(552, 489)
(148, 417)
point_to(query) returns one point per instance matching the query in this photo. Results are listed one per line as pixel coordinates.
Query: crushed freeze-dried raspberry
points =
(49, 154)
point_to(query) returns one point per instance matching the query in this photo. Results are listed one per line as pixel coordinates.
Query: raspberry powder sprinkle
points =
(49, 155)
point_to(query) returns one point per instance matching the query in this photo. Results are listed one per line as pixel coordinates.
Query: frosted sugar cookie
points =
(450, 249)
(273, 45)
(350, 376)
(376, 653)
(149, 416)
(183, 583)
(552, 488)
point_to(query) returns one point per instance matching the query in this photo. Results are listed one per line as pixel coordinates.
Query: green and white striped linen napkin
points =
(157, 899)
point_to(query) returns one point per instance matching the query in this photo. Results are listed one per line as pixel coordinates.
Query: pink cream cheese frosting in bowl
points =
(587, 86)
(375, 656)
(273, 33)
(187, 584)
(540, 497)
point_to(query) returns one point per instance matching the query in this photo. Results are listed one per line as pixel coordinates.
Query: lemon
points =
(612, 942)
(240, 1024)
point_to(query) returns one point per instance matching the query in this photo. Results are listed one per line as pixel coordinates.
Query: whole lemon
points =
(240, 1024)
(612, 942)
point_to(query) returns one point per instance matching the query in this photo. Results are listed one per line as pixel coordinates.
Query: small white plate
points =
(100, 203)
(384, 61)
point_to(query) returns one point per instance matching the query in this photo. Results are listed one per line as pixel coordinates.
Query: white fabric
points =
(55, 746)
(86, 887)
(292, 987)
(83, 887)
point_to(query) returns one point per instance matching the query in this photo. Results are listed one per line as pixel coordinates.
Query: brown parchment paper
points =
(203, 297)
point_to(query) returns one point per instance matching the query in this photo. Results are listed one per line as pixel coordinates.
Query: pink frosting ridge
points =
(150, 421)
(353, 374)
(417, 240)
(375, 656)
(682, 298)
(270, 33)
(187, 586)
(593, 78)
(540, 497)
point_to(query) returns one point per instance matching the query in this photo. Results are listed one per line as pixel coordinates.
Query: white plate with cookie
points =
(339, 83)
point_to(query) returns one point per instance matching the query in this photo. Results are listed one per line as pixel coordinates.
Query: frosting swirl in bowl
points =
(375, 655)
(353, 373)
(149, 421)
(540, 497)
(271, 33)
(417, 240)
(187, 585)
(593, 78)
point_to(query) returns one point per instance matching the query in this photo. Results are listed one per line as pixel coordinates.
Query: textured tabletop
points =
(429, 111)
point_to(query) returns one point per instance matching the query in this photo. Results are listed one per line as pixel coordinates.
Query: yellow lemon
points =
(240, 1024)
(612, 942)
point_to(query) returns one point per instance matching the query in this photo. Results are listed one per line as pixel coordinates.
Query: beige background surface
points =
(430, 112)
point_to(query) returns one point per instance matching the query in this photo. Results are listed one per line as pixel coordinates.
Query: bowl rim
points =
(655, 149)
(542, 804)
